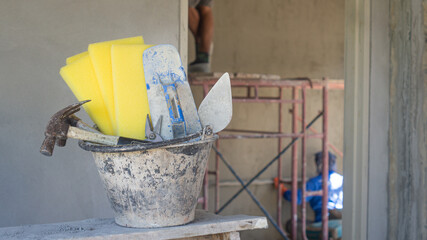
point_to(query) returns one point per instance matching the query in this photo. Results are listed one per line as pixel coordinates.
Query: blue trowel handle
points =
(175, 111)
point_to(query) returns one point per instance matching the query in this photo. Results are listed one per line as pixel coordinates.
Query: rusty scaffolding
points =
(253, 83)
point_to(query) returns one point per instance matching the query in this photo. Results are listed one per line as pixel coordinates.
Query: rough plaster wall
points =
(408, 144)
(285, 37)
(35, 38)
(423, 137)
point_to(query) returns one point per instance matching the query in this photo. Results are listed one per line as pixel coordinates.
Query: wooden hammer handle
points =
(77, 133)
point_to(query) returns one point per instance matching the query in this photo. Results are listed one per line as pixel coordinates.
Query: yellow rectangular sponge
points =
(81, 79)
(130, 90)
(100, 54)
(75, 57)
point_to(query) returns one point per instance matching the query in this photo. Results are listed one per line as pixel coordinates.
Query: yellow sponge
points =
(75, 57)
(81, 79)
(100, 54)
(130, 91)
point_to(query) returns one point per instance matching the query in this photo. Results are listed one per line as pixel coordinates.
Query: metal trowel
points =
(216, 108)
(169, 94)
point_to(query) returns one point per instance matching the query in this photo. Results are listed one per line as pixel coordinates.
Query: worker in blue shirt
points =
(335, 197)
(335, 188)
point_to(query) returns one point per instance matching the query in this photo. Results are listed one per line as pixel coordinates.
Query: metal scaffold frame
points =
(252, 83)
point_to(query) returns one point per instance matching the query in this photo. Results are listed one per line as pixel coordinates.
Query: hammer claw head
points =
(61, 142)
(57, 128)
(47, 146)
(69, 110)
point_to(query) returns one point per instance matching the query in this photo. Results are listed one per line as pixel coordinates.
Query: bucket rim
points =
(94, 147)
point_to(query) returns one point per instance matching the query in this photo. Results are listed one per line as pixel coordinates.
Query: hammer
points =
(57, 128)
(60, 127)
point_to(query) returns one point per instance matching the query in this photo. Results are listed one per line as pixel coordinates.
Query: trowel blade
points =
(216, 108)
(166, 81)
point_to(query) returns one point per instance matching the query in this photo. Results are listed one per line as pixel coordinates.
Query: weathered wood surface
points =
(408, 137)
(204, 224)
(220, 236)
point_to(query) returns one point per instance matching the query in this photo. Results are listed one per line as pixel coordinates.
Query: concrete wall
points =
(378, 125)
(35, 38)
(289, 38)
(407, 134)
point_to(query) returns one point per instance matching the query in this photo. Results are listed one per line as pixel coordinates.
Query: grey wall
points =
(291, 38)
(35, 38)
(378, 124)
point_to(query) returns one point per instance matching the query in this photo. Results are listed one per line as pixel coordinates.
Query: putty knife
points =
(216, 108)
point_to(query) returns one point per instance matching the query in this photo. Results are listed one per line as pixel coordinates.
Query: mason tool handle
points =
(47, 146)
(96, 137)
(77, 133)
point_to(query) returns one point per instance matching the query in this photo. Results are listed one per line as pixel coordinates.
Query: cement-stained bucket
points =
(155, 187)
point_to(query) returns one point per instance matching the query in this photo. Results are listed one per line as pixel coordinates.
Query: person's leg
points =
(193, 20)
(206, 28)
(314, 230)
(335, 214)
(203, 35)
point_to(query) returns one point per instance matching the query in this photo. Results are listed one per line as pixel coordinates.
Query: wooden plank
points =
(221, 236)
(204, 224)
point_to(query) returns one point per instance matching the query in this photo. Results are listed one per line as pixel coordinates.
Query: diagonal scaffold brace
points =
(267, 166)
(251, 195)
(245, 186)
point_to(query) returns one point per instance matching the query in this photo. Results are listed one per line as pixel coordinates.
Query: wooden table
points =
(205, 226)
